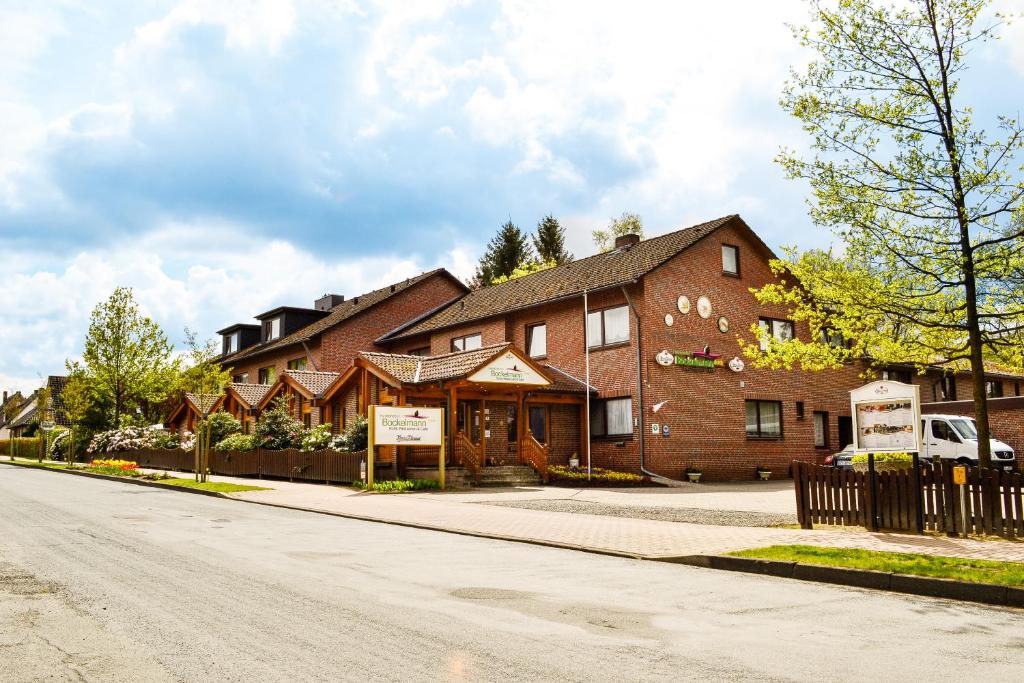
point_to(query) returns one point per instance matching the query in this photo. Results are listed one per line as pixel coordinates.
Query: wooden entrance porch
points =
(526, 421)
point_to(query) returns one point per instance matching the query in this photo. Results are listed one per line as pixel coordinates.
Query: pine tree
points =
(550, 241)
(506, 251)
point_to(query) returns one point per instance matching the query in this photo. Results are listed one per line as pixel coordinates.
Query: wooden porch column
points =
(364, 391)
(483, 432)
(401, 452)
(520, 417)
(453, 407)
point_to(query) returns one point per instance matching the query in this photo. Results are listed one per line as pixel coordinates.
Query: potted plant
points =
(693, 474)
(764, 472)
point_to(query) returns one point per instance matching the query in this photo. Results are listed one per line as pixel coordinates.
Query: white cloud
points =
(203, 274)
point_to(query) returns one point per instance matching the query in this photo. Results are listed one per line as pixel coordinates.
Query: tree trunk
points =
(977, 367)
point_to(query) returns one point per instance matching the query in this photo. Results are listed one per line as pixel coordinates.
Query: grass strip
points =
(218, 486)
(936, 566)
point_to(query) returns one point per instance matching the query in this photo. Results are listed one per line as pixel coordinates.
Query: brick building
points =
(668, 388)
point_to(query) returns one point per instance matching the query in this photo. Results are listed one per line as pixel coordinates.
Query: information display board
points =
(886, 417)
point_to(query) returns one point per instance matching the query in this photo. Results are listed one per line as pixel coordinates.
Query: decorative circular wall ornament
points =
(669, 319)
(665, 358)
(736, 364)
(704, 307)
(723, 324)
(683, 304)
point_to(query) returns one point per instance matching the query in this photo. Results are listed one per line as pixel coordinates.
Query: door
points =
(845, 431)
(942, 440)
(539, 423)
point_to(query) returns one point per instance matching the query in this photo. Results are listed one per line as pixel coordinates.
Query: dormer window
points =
(273, 328)
(231, 343)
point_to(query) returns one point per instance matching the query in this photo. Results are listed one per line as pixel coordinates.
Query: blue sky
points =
(226, 157)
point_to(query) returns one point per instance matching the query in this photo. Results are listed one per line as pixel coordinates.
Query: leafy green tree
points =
(127, 360)
(549, 241)
(506, 251)
(626, 224)
(925, 202)
(77, 399)
(524, 270)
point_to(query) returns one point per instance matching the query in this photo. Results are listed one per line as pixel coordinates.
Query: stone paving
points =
(597, 533)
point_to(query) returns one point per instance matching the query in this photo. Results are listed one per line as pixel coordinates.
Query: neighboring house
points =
(327, 337)
(26, 419)
(15, 399)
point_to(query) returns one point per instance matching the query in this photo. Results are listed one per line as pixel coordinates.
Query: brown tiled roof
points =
(423, 369)
(251, 394)
(56, 383)
(203, 403)
(564, 383)
(314, 382)
(340, 313)
(600, 271)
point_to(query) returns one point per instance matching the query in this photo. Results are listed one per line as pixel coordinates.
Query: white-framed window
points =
(764, 419)
(820, 421)
(730, 259)
(537, 340)
(610, 326)
(467, 342)
(612, 417)
(268, 375)
(241, 379)
(780, 330)
(275, 328)
(298, 363)
(231, 342)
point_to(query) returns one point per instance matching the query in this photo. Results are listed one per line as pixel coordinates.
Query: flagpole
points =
(586, 355)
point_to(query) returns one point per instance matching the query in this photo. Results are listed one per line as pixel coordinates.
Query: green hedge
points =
(25, 447)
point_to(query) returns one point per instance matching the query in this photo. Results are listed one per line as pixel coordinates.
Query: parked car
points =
(842, 460)
(955, 438)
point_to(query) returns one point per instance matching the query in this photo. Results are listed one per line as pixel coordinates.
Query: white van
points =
(955, 437)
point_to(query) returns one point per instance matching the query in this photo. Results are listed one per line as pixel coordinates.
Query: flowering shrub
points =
(600, 475)
(59, 442)
(316, 439)
(133, 438)
(353, 439)
(188, 441)
(221, 426)
(237, 442)
(277, 429)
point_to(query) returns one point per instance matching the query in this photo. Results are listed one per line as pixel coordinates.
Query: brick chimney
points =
(623, 241)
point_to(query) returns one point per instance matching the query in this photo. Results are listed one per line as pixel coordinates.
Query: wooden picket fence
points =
(927, 500)
(292, 464)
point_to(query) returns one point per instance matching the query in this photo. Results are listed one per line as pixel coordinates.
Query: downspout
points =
(309, 355)
(640, 383)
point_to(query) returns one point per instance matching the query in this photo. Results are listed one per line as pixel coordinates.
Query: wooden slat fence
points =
(294, 465)
(991, 502)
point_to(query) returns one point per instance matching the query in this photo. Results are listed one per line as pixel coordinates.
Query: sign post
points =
(887, 419)
(405, 426)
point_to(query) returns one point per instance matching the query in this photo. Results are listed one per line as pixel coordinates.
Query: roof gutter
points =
(640, 384)
(309, 355)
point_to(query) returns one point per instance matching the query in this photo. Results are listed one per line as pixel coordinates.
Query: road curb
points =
(985, 593)
(126, 480)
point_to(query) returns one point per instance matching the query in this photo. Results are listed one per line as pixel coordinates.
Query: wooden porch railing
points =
(469, 455)
(535, 454)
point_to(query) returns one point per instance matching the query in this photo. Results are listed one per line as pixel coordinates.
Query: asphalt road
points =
(108, 581)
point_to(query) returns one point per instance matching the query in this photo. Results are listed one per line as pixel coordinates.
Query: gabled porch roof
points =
(200, 404)
(309, 384)
(248, 395)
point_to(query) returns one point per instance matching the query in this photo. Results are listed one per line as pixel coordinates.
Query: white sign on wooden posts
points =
(407, 426)
(886, 417)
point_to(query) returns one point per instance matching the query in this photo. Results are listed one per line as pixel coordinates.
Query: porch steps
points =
(500, 476)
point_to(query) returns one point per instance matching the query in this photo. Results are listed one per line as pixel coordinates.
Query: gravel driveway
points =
(661, 513)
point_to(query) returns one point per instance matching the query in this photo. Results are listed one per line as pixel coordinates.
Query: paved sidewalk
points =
(613, 535)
